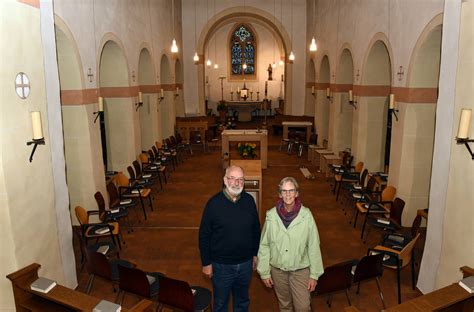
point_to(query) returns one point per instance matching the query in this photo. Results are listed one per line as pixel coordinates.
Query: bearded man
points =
(229, 236)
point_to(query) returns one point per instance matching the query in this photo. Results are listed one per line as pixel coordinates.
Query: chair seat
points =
(202, 298)
(363, 207)
(91, 231)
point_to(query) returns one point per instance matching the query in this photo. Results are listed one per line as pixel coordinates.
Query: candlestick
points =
(312, 89)
(140, 97)
(101, 104)
(36, 125)
(328, 92)
(464, 123)
(391, 104)
(162, 93)
(351, 97)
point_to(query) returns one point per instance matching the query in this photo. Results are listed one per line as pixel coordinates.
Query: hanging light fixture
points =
(313, 47)
(196, 56)
(174, 47)
(292, 56)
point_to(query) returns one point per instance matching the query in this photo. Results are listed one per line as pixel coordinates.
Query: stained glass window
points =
(243, 51)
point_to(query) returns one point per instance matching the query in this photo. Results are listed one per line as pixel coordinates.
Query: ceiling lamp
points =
(174, 47)
(291, 57)
(313, 47)
(196, 57)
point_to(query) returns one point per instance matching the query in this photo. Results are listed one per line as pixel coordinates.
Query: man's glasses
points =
(232, 179)
(292, 191)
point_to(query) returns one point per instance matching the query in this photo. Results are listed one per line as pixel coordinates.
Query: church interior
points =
(99, 96)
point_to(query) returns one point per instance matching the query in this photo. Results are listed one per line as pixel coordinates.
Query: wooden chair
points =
(109, 246)
(400, 239)
(349, 176)
(398, 259)
(128, 189)
(155, 169)
(97, 230)
(336, 278)
(99, 265)
(179, 295)
(108, 215)
(368, 268)
(140, 283)
(115, 200)
(392, 221)
(362, 195)
(210, 140)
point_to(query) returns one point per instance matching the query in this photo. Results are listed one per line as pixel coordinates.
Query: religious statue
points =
(270, 70)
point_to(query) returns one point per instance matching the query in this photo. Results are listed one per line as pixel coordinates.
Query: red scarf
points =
(288, 216)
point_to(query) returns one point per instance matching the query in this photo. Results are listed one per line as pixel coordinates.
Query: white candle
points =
(140, 97)
(328, 92)
(391, 103)
(351, 98)
(464, 123)
(36, 125)
(101, 104)
(312, 89)
(162, 93)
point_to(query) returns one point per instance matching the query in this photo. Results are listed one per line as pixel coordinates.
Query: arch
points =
(118, 127)
(166, 109)
(147, 114)
(324, 70)
(373, 135)
(345, 67)
(322, 103)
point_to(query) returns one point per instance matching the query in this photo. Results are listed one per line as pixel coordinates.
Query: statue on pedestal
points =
(270, 71)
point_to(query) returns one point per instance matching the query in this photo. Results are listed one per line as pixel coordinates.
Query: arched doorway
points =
(120, 118)
(373, 143)
(166, 105)
(310, 105)
(148, 112)
(341, 113)
(322, 102)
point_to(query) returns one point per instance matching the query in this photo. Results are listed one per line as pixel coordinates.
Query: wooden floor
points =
(168, 241)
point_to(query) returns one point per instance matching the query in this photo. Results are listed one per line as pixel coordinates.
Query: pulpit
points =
(260, 136)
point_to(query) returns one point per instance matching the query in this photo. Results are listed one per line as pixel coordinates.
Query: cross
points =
(22, 85)
(133, 75)
(90, 74)
(358, 74)
(400, 73)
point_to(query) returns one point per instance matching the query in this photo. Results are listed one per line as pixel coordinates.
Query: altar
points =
(245, 108)
(247, 135)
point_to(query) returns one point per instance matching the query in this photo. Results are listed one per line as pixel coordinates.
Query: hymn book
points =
(468, 284)
(43, 285)
(107, 306)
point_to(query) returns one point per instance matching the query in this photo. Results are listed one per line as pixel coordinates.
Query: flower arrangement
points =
(247, 150)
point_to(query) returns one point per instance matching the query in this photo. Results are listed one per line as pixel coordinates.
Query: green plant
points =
(247, 150)
(221, 107)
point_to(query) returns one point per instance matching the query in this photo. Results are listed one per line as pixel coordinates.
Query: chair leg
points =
(151, 203)
(413, 270)
(89, 283)
(348, 299)
(398, 282)
(380, 291)
(356, 215)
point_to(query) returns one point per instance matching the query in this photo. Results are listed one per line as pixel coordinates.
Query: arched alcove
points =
(413, 134)
(82, 144)
(119, 122)
(148, 112)
(322, 103)
(166, 105)
(373, 139)
(341, 113)
(178, 100)
(310, 105)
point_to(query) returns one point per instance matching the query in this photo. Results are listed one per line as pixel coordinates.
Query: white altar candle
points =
(36, 125)
(464, 123)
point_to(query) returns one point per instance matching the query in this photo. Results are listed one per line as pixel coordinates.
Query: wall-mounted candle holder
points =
(463, 130)
(391, 106)
(352, 100)
(38, 138)
(100, 111)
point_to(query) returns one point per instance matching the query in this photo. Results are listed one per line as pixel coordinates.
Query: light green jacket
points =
(292, 248)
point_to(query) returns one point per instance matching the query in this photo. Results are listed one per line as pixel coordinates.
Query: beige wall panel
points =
(148, 121)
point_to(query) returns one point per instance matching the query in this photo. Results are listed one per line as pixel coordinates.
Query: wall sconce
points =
(312, 91)
(329, 96)
(162, 95)
(38, 138)
(100, 111)
(463, 130)
(352, 101)
(391, 106)
(140, 101)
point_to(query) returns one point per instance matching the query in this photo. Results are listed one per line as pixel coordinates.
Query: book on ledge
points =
(125, 202)
(107, 306)
(115, 210)
(43, 285)
(151, 279)
(383, 220)
(468, 284)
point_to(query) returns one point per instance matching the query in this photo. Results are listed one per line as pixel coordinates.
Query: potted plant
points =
(247, 150)
(222, 109)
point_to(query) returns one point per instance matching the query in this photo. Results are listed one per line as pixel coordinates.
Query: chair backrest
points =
(131, 173)
(137, 167)
(358, 167)
(313, 139)
(179, 138)
(133, 280)
(176, 293)
(98, 264)
(173, 140)
(143, 157)
(369, 267)
(388, 194)
(155, 151)
(100, 203)
(122, 180)
(168, 143)
(158, 145)
(335, 278)
(407, 251)
(396, 211)
(81, 215)
(113, 193)
(195, 137)
(209, 135)
(415, 226)
(292, 134)
(363, 177)
(370, 187)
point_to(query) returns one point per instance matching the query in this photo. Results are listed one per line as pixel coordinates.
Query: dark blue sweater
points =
(229, 232)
